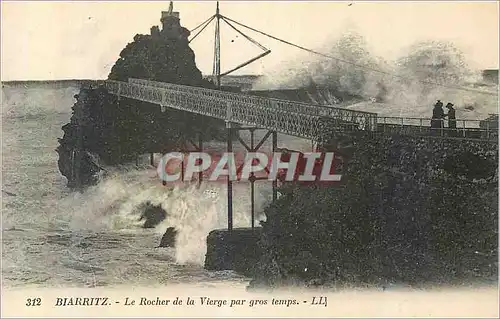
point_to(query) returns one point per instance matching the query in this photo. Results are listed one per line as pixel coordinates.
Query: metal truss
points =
(288, 117)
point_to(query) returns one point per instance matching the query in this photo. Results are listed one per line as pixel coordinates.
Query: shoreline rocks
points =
(412, 211)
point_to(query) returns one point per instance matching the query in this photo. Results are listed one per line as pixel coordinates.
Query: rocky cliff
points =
(105, 131)
(412, 211)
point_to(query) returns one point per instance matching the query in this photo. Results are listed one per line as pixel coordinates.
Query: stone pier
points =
(237, 250)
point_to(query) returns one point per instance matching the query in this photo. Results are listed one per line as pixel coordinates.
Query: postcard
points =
(249, 159)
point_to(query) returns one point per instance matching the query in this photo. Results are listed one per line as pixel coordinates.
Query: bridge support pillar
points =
(229, 181)
(198, 148)
(224, 248)
(275, 183)
(252, 183)
(252, 148)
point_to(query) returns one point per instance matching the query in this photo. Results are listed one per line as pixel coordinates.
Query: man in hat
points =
(452, 120)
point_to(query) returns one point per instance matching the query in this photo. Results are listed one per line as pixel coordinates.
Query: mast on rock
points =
(230, 128)
(216, 73)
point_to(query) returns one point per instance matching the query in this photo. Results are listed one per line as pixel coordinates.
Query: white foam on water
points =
(114, 204)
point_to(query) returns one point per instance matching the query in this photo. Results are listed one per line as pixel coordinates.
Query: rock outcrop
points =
(111, 132)
(84, 139)
(413, 210)
(152, 215)
(169, 238)
(237, 250)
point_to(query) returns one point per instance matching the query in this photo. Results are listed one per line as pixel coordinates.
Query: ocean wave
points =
(404, 87)
(113, 204)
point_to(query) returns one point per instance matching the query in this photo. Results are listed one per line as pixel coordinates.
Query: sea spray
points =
(399, 87)
(113, 205)
(335, 74)
(194, 215)
(194, 212)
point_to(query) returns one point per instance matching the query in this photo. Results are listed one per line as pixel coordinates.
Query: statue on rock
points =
(163, 56)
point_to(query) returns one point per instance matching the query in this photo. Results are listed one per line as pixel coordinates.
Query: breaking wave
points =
(407, 86)
(114, 205)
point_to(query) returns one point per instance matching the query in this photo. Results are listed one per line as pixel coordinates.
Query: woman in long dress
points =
(437, 115)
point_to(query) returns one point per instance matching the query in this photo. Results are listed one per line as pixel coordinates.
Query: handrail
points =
(419, 121)
(425, 118)
(195, 89)
(273, 116)
(422, 126)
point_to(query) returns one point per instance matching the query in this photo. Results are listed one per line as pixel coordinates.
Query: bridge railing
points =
(477, 129)
(365, 120)
(210, 103)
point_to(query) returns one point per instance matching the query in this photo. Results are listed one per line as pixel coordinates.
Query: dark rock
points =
(311, 94)
(316, 282)
(152, 215)
(237, 250)
(8, 193)
(169, 238)
(78, 150)
(413, 211)
(470, 165)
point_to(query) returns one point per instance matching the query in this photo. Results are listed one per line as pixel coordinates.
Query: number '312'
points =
(33, 302)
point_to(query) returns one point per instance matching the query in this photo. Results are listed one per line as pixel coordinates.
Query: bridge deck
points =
(288, 117)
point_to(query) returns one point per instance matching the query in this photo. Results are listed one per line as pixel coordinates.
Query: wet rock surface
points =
(169, 238)
(152, 215)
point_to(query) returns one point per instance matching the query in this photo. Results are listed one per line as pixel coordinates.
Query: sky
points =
(44, 40)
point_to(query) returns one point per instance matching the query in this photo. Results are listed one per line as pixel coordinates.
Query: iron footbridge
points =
(298, 119)
(287, 117)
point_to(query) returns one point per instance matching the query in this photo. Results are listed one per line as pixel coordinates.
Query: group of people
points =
(438, 116)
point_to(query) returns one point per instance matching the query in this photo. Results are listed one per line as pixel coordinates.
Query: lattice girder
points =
(288, 117)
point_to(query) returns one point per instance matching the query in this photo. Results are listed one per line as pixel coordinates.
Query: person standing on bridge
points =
(452, 120)
(437, 115)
